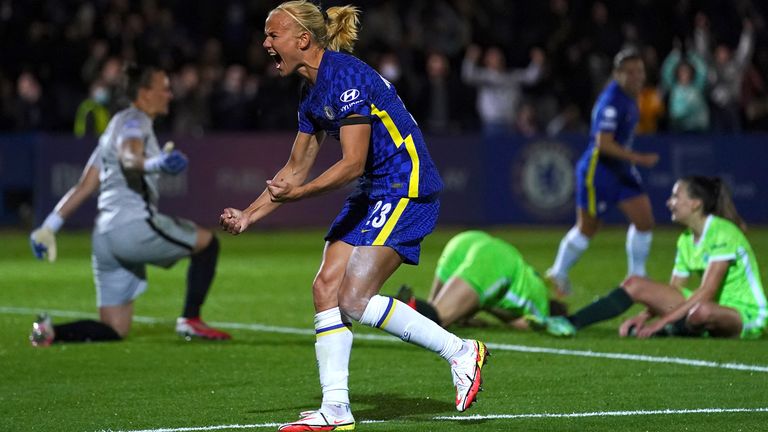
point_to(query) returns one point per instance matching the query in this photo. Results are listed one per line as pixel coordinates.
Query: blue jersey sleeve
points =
(351, 93)
(606, 118)
(306, 124)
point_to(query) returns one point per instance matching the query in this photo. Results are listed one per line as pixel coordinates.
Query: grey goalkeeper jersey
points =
(126, 196)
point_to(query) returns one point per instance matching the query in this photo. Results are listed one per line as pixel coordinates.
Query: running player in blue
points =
(606, 174)
(380, 226)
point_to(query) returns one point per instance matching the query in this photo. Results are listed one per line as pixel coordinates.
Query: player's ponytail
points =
(342, 27)
(715, 198)
(335, 29)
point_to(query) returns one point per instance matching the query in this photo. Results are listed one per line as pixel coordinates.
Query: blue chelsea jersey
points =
(614, 112)
(398, 162)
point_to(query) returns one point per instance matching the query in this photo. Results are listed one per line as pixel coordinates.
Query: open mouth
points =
(277, 59)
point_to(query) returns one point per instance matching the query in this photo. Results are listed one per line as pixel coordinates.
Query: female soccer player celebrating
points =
(606, 174)
(729, 302)
(381, 224)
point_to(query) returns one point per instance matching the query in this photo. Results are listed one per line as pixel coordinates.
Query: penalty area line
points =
(387, 338)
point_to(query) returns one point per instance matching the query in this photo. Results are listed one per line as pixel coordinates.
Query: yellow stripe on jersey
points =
(591, 194)
(387, 229)
(413, 181)
(410, 147)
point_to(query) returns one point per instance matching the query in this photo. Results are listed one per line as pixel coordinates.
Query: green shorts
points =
(752, 324)
(496, 271)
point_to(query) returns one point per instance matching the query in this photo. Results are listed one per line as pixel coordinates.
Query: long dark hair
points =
(715, 198)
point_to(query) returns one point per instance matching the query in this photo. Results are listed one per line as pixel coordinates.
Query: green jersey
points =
(741, 288)
(496, 271)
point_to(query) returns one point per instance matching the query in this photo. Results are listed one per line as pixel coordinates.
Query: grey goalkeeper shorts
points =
(120, 256)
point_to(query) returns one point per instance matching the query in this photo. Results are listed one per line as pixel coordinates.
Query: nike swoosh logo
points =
(364, 231)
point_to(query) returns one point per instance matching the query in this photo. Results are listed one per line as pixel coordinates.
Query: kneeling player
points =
(479, 272)
(130, 232)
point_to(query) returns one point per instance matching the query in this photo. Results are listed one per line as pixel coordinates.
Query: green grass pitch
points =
(155, 381)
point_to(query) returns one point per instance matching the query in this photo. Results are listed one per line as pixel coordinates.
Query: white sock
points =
(638, 247)
(332, 348)
(572, 246)
(396, 318)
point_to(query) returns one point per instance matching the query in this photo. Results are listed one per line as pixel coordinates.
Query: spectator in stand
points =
(685, 83)
(726, 73)
(650, 101)
(93, 112)
(568, 121)
(191, 102)
(232, 104)
(31, 110)
(499, 89)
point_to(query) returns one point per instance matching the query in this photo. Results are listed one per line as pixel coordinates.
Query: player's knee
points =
(633, 285)
(700, 314)
(352, 306)
(645, 226)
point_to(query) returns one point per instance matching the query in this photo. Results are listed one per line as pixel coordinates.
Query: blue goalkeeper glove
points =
(174, 162)
(170, 163)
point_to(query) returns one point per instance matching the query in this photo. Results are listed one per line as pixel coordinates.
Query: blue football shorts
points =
(396, 222)
(599, 189)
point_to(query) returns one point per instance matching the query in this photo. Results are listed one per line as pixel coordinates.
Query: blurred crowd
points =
(532, 67)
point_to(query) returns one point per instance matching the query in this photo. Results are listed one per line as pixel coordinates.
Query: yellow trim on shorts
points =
(410, 147)
(590, 183)
(390, 225)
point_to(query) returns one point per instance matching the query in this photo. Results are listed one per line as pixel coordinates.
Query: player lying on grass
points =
(479, 272)
(729, 302)
(130, 232)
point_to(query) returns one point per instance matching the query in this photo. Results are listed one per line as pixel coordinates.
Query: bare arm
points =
(85, 187)
(710, 284)
(639, 320)
(131, 153)
(355, 141)
(294, 173)
(607, 145)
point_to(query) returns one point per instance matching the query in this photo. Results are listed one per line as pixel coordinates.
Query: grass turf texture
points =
(155, 380)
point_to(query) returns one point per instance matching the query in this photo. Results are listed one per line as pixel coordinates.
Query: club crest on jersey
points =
(329, 114)
(349, 95)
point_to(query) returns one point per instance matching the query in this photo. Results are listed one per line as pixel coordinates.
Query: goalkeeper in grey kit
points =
(130, 232)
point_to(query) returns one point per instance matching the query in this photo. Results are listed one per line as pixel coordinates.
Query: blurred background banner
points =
(490, 179)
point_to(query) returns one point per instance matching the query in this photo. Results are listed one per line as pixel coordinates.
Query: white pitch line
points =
(220, 427)
(485, 417)
(495, 346)
(603, 414)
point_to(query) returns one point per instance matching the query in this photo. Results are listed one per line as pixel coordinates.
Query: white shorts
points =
(120, 255)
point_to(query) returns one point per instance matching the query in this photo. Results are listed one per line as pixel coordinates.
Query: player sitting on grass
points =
(130, 232)
(479, 272)
(729, 302)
